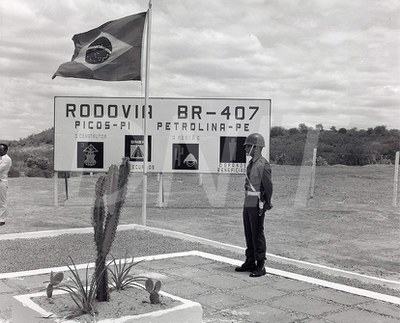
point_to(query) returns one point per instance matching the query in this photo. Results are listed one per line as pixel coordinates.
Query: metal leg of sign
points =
(396, 178)
(160, 190)
(200, 179)
(314, 163)
(144, 199)
(55, 188)
(66, 185)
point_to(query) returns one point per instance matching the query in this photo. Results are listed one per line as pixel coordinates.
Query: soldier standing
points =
(258, 192)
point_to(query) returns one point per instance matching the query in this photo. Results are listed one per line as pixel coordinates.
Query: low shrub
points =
(14, 172)
(321, 161)
(37, 172)
(38, 167)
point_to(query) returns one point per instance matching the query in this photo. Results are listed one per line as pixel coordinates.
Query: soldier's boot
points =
(259, 270)
(248, 265)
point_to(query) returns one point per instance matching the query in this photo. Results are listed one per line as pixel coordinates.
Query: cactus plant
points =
(54, 281)
(150, 286)
(113, 188)
(153, 289)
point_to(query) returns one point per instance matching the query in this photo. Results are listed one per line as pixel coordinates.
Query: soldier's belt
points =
(251, 193)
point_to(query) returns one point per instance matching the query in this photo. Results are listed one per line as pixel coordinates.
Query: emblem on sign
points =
(90, 154)
(185, 156)
(134, 148)
(190, 160)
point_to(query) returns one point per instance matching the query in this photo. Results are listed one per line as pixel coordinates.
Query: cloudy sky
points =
(334, 62)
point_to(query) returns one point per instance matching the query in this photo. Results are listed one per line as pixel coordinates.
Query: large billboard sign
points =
(203, 135)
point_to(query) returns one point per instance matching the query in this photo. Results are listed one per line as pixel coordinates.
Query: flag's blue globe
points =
(98, 51)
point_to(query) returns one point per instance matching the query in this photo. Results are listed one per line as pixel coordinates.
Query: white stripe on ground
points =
(216, 244)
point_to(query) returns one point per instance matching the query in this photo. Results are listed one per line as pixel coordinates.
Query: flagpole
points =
(146, 105)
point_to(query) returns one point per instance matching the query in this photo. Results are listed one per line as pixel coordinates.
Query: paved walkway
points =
(227, 296)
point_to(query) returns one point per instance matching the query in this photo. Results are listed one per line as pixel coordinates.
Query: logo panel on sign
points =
(90, 154)
(134, 148)
(185, 156)
(232, 150)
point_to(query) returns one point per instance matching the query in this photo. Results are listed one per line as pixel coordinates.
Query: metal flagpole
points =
(146, 104)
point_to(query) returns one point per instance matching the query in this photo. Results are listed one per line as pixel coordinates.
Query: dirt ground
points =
(349, 223)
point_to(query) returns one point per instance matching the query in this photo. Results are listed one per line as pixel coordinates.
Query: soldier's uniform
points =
(258, 193)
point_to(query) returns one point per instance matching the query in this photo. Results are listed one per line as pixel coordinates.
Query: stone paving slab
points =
(259, 293)
(29, 284)
(218, 282)
(5, 287)
(185, 289)
(293, 285)
(303, 304)
(357, 316)
(382, 308)
(227, 296)
(337, 296)
(265, 313)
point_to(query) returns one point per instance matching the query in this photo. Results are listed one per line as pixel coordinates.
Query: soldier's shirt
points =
(259, 175)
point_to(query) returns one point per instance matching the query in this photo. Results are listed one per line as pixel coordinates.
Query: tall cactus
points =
(106, 217)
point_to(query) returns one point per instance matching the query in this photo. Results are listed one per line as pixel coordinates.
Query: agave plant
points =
(82, 292)
(112, 188)
(121, 272)
(122, 278)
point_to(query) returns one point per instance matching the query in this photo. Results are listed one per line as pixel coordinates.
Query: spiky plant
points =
(82, 292)
(112, 188)
(121, 272)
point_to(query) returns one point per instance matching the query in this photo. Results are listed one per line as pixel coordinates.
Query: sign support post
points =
(396, 178)
(314, 164)
(146, 106)
(66, 184)
(55, 188)
(160, 191)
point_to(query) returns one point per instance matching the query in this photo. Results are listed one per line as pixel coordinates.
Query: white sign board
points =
(203, 135)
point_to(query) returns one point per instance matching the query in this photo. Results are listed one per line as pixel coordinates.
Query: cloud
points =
(319, 61)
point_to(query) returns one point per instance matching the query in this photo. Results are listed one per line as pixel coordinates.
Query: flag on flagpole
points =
(111, 52)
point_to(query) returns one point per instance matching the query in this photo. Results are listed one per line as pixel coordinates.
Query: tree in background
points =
(350, 147)
(336, 146)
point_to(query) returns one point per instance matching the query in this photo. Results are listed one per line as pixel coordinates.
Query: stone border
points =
(26, 310)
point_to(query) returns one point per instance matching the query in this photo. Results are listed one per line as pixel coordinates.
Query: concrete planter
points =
(26, 310)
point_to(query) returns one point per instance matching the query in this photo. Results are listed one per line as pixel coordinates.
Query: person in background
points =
(258, 187)
(5, 165)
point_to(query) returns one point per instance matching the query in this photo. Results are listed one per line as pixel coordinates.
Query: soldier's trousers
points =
(256, 246)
